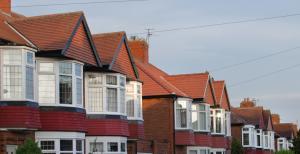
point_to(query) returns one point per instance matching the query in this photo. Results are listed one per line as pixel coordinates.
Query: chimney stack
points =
(275, 118)
(139, 49)
(247, 103)
(5, 6)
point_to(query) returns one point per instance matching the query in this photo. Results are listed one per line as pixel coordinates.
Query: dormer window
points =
(60, 83)
(17, 70)
(105, 93)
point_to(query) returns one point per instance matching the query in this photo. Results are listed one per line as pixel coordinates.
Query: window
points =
(60, 82)
(17, 74)
(183, 114)
(227, 124)
(47, 145)
(282, 144)
(133, 100)
(218, 151)
(248, 136)
(198, 150)
(258, 138)
(200, 117)
(266, 140)
(105, 93)
(107, 144)
(217, 121)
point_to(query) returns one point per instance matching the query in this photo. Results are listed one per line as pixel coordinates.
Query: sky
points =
(206, 49)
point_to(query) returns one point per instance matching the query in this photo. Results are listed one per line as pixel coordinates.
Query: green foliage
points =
(284, 152)
(29, 147)
(236, 147)
(296, 143)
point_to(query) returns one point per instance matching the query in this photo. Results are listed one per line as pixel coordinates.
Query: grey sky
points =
(198, 50)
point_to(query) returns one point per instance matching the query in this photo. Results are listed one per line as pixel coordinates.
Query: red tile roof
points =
(221, 94)
(48, 32)
(155, 84)
(253, 115)
(107, 44)
(285, 130)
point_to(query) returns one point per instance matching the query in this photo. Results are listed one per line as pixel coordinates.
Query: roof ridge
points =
(108, 33)
(189, 74)
(47, 15)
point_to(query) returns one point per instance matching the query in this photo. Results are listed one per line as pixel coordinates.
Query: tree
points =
(236, 147)
(296, 143)
(29, 147)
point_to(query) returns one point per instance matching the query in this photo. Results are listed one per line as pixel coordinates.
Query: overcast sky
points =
(198, 50)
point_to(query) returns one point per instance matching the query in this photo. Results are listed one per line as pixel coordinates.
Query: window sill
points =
(60, 105)
(135, 118)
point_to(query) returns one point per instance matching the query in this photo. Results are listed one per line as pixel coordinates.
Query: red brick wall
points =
(219, 142)
(13, 138)
(180, 149)
(202, 140)
(19, 117)
(139, 50)
(136, 130)
(236, 132)
(184, 137)
(5, 6)
(158, 123)
(107, 127)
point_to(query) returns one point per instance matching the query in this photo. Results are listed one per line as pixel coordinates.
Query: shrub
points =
(29, 147)
(236, 147)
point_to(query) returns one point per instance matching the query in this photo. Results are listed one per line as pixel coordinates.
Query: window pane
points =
(122, 100)
(66, 145)
(112, 98)
(78, 145)
(138, 89)
(129, 88)
(29, 83)
(181, 114)
(65, 89)
(47, 145)
(192, 152)
(95, 99)
(218, 121)
(139, 106)
(122, 81)
(203, 117)
(46, 67)
(96, 147)
(258, 140)
(112, 80)
(195, 120)
(123, 147)
(95, 80)
(79, 91)
(112, 146)
(12, 57)
(29, 58)
(78, 70)
(130, 106)
(203, 151)
(12, 82)
(246, 138)
(46, 89)
(65, 68)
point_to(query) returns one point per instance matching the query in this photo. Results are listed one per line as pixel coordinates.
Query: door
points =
(11, 149)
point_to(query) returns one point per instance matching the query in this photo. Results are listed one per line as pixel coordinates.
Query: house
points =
(57, 89)
(180, 107)
(253, 127)
(286, 132)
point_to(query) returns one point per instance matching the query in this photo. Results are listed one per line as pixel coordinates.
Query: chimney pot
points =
(5, 6)
(139, 49)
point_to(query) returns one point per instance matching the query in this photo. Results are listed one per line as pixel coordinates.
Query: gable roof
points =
(155, 83)
(267, 119)
(252, 115)
(113, 47)
(56, 32)
(197, 86)
(285, 130)
(221, 94)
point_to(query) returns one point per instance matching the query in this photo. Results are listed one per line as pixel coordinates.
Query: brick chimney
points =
(247, 103)
(275, 118)
(5, 6)
(139, 49)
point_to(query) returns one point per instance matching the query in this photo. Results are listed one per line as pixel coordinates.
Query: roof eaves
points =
(131, 58)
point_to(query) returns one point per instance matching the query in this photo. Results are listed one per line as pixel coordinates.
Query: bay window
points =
(282, 144)
(200, 117)
(17, 71)
(60, 83)
(105, 93)
(248, 136)
(61, 142)
(266, 140)
(259, 138)
(217, 121)
(106, 144)
(198, 150)
(183, 113)
(134, 100)
(272, 140)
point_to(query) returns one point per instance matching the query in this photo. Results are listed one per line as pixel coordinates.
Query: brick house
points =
(252, 126)
(183, 108)
(285, 133)
(64, 88)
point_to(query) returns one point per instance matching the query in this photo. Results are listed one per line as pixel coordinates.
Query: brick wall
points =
(236, 132)
(158, 123)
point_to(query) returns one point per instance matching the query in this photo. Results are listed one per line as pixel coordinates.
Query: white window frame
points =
(214, 116)
(57, 74)
(24, 50)
(215, 150)
(227, 123)
(57, 136)
(283, 142)
(259, 132)
(207, 115)
(188, 113)
(105, 140)
(135, 94)
(251, 133)
(104, 87)
(198, 149)
(266, 140)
